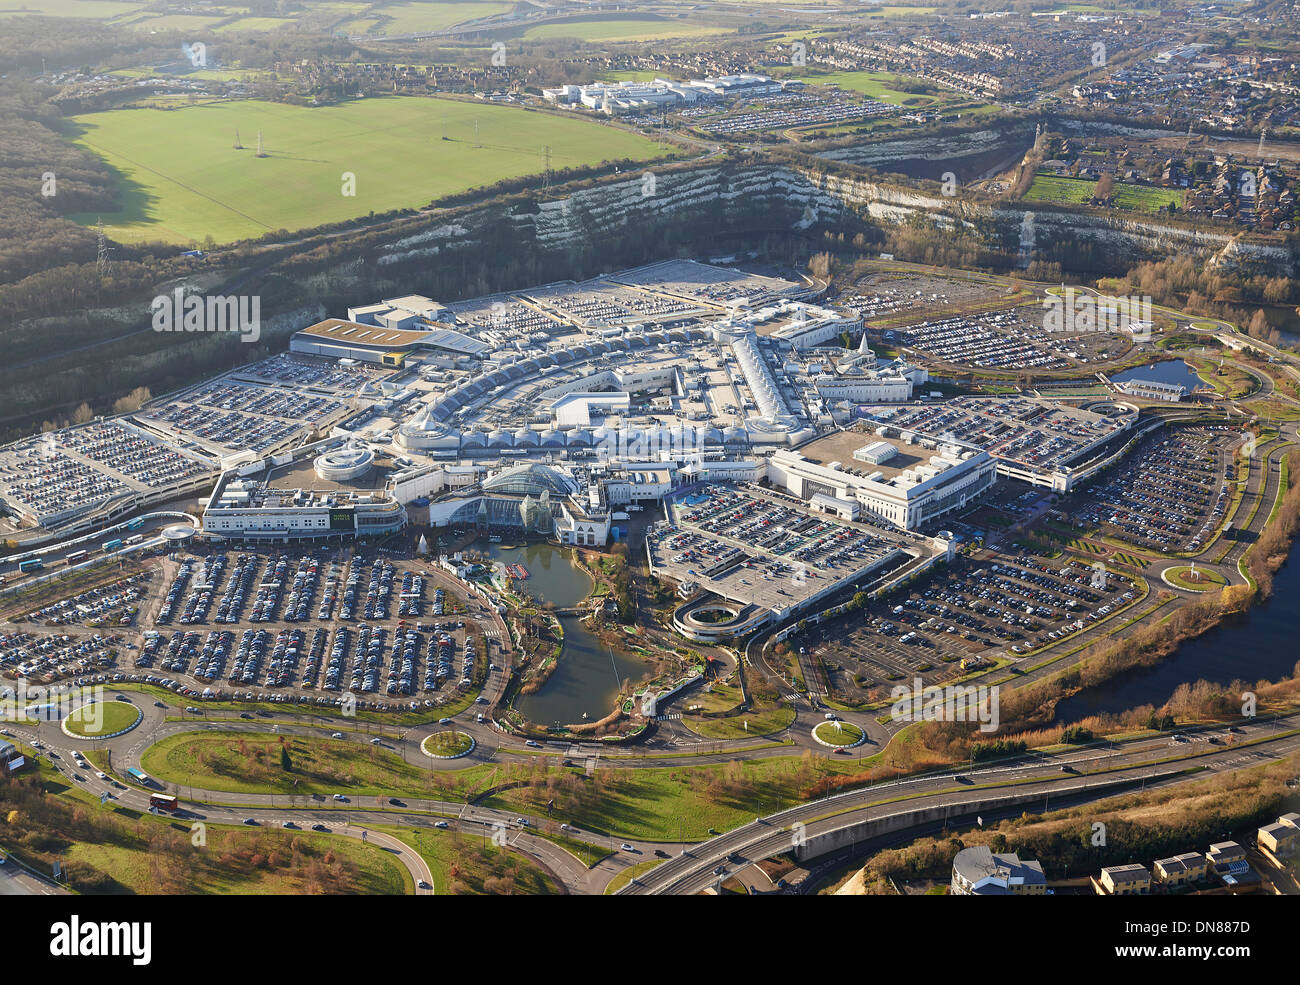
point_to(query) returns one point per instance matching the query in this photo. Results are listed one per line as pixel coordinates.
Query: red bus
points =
(164, 802)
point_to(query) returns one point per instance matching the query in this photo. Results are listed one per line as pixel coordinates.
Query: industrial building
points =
(627, 97)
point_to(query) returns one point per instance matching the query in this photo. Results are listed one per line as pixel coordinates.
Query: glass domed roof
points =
(532, 480)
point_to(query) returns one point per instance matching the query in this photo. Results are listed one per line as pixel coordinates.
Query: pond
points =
(589, 674)
(1169, 371)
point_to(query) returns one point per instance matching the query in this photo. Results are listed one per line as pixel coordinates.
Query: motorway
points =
(1093, 774)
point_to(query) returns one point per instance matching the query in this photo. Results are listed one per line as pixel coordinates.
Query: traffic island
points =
(838, 734)
(448, 745)
(102, 720)
(1193, 580)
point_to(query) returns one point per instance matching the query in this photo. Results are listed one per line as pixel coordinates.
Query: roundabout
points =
(838, 734)
(448, 745)
(1191, 579)
(106, 720)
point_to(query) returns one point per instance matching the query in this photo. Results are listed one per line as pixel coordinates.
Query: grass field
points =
(464, 865)
(1136, 198)
(256, 24)
(1275, 410)
(105, 718)
(675, 804)
(621, 29)
(630, 75)
(181, 180)
(763, 721)
(418, 16)
(630, 873)
(177, 22)
(239, 862)
(91, 9)
(249, 762)
(144, 15)
(876, 85)
(1227, 380)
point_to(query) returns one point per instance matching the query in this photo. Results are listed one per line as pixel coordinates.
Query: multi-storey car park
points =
(1042, 442)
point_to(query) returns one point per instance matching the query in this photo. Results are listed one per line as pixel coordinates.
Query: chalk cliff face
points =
(712, 197)
(881, 153)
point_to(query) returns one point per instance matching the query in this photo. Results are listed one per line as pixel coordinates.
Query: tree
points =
(1105, 188)
(82, 414)
(286, 763)
(1259, 326)
(819, 265)
(133, 401)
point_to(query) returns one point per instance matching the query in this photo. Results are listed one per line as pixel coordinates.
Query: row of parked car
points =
(174, 593)
(298, 604)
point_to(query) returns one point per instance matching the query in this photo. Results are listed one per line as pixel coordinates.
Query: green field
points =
(630, 873)
(630, 75)
(629, 29)
(894, 11)
(144, 15)
(1136, 198)
(249, 762)
(419, 16)
(256, 24)
(673, 803)
(177, 22)
(92, 9)
(876, 85)
(466, 865)
(242, 862)
(763, 721)
(181, 180)
(105, 718)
